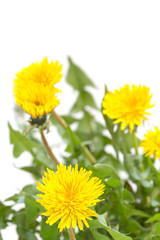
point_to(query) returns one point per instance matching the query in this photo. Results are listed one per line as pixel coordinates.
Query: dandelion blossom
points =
(34, 87)
(127, 105)
(68, 196)
(151, 143)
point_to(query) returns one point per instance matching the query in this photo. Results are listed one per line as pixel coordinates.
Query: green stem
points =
(135, 142)
(87, 153)
(48, 149)
(71, 234)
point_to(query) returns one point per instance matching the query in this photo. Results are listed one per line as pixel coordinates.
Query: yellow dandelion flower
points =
(40, 72)
(127, 105)
(151, 143)
(68, 196)
(34, 87)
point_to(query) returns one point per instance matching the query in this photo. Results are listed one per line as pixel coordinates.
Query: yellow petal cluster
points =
(127, 105)
(68, 195)
(34, 87)
(151, 143)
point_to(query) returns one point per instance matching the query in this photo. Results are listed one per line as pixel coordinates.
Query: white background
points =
(115, 42)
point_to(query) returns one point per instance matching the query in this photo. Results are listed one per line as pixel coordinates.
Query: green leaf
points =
(32, 210)
(155, 218)
(128, 196)
(24, 232)
(69, 119)
(17, 198)
(154, 233)
(30, 190)
(104, 170)
(42, 158)
(84, 99)
(34, 170)
(29, 235)
(114, 233)
(74, 138)
(114, 182)
(98, 236)
(5, 211)
(77, 78)
(128, 140)
(21, 143)
(101, 223)
(48, 232)
(134, 212)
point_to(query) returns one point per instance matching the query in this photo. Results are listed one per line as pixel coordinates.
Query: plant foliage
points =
(130, 209)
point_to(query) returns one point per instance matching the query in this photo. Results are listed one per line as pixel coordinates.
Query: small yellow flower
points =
(151, 143)
(34, 87)
(127, 105)
(68, 196)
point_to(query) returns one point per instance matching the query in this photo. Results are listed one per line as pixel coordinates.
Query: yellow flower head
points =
(151, 143)
(34, 87)
(68, 196)
(127, 105)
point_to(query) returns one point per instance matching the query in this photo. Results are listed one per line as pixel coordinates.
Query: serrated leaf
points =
(17, 198)
(114, 233)
(21, 143)
(155, 218)
(77, 78)
(84, 99)
(101, 223)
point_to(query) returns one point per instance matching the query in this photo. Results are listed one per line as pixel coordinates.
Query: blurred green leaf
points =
(24, 231)
(98, 236)
(101, 223)
(48, 232)
(30, 190)
(5, 211)
(128, 196)
(21, 143)
(114, 182)
(42, 158)
(31, 209)
(84, 99)
(133, 212)
(155, 218)
(34, 170)
(103, 171)
(154, 233)
(77, 78)
(114, 233)
(29, 235)
(17, 198)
